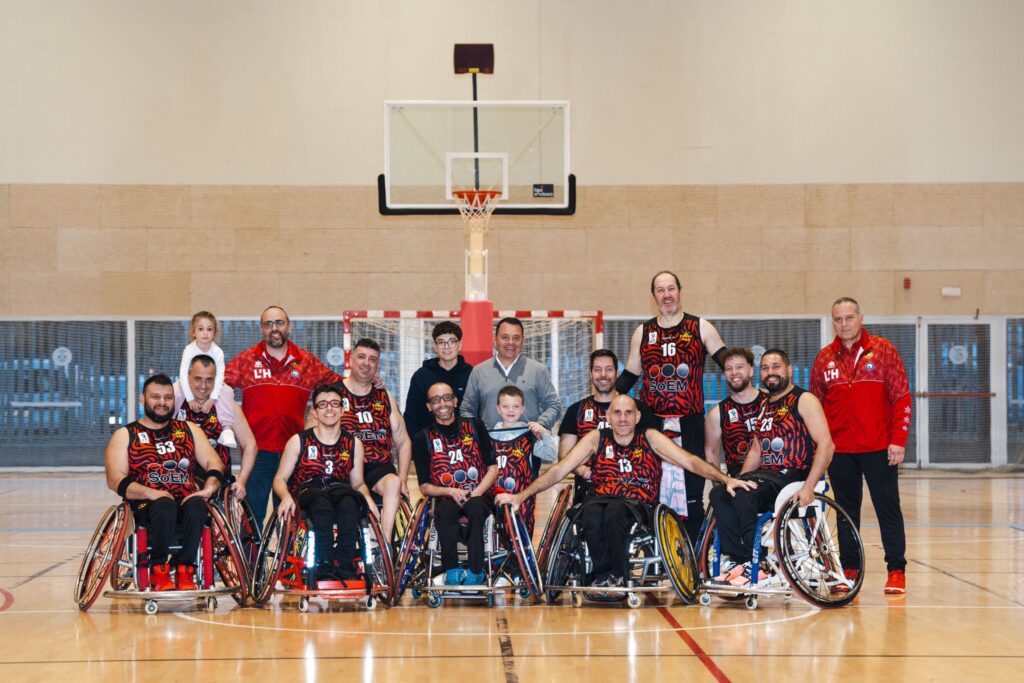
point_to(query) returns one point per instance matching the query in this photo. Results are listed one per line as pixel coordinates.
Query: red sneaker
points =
(851, 576)
(185, 577)
(897, 583)
(160, 578)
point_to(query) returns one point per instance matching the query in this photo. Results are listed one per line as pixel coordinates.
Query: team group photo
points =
(518, 341)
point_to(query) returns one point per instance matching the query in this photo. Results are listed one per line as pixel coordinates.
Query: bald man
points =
(626, 467)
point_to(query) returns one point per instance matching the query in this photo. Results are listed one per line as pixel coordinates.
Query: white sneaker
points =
(227, 438)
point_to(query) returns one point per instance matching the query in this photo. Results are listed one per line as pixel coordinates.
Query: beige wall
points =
(170, 250)
(666, 92)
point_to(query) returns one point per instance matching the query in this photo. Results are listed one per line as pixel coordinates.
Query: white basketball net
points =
(476, 207)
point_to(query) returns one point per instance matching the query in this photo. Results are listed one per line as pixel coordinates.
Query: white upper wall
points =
(662, 91)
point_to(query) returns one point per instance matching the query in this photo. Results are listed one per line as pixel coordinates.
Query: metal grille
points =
(1015, 391)
(62, 391)
(904, 337)
(959, 424)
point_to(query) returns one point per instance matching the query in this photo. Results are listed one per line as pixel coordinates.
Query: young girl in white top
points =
(203, 332)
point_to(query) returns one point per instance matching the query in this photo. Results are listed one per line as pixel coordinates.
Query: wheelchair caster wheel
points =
(211, 604)
(577, 600)
(434, 600)
(371, 603)
(705, 599)
(303, 604)
(632, 600)
(416, 595)
(152, 607)
(490, 599)
(752, 602)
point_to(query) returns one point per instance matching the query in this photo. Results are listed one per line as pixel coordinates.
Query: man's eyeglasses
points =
(446, 342)
(322, 405)
(443, 398)
(270, 324)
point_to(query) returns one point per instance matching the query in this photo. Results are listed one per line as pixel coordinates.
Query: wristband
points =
(122, 488)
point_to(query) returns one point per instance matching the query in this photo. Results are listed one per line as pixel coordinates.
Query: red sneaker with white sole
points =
(897, 583)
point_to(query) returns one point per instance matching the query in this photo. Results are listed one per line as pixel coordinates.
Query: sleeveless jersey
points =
(672, 363)
(321, 462)
(786, 442)
(211, 426)
(369, 418)
(515, 472)
(163, 459)
(738, 421)
(456, 462)
(630, 471)
(591, 415)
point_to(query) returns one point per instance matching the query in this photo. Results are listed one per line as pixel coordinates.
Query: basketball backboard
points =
(521, 148)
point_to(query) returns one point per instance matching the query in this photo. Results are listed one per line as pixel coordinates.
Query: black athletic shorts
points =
(374, 473)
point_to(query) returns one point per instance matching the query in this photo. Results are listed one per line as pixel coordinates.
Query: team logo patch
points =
(517, 453)
(686, 337)
(311, 452)
(869, 355)
(638, 453)
(831, 364)
(178, 435)
(378, 407)
(181, 414)
(609, 452)
(344, 404)
(870, 367)
(467, 440)
(652, 337)
(295, 374)
(733, 415)
(259, 364)
(438, 447)
(344, 455)
(588, 415)
(782, 412)
(144, 438)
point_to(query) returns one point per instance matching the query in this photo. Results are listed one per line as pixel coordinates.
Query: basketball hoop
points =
(476, 207)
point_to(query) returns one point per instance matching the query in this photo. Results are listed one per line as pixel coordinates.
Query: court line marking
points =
(508, 662)
(811, 611)
(969, 583)
(8, 600)
(704, 658)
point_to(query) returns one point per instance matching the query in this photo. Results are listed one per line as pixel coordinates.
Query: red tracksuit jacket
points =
(865, 394)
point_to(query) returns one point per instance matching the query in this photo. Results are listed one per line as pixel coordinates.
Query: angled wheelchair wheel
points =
(677, 553)
(529, 569)
(564, 560)
(410, 555)
(558, 512)
(242, 520)
(275, 543)
(807, 546)
(706, 546)
(382, 571)
(104, 550)
(227, 555)
(402, 519)
(122, 577)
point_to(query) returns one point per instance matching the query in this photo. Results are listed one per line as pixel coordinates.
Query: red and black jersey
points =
(590, 415)
(515, 470)
(163, 459)
(630, 471)
(321, 462)
(738, 422)
(368, 417)
(455, 461)
(672, 362)
(211, 427)
(786, 442)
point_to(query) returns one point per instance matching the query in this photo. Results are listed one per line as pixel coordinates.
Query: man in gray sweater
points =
(509, 366)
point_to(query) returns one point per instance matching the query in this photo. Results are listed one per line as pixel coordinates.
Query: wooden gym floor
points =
(963, 617)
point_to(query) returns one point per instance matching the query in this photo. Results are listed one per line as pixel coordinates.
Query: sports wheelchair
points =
(509, 561)
(242, 521)
(798, 549)
(118, 552)
(661, 558)
(286, 564)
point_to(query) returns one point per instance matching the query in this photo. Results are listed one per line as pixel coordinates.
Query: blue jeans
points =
(257, 489)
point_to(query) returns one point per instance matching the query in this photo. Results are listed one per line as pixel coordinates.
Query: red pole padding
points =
(477, 331)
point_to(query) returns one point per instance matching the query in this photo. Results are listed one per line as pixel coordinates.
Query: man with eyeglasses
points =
(455, 466)
(276, 378)
(449, 367)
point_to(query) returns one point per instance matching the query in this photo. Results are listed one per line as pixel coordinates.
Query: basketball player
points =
(729, 426)
(322, 469)
(793, 444)
(152, 463)
(668, 353)
(370, 412)
(626, 466)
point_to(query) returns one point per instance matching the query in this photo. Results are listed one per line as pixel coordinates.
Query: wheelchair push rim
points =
(227, 556)
(808, 552)
(412, 549)
(529, 568)
(677, 554)
(105, 548)
(275, 543)
(558, 512)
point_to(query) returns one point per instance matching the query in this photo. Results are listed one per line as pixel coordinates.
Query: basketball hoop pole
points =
(476, 138)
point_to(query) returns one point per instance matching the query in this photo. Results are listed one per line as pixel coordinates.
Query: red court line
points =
(704, 657)
(6, 599)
